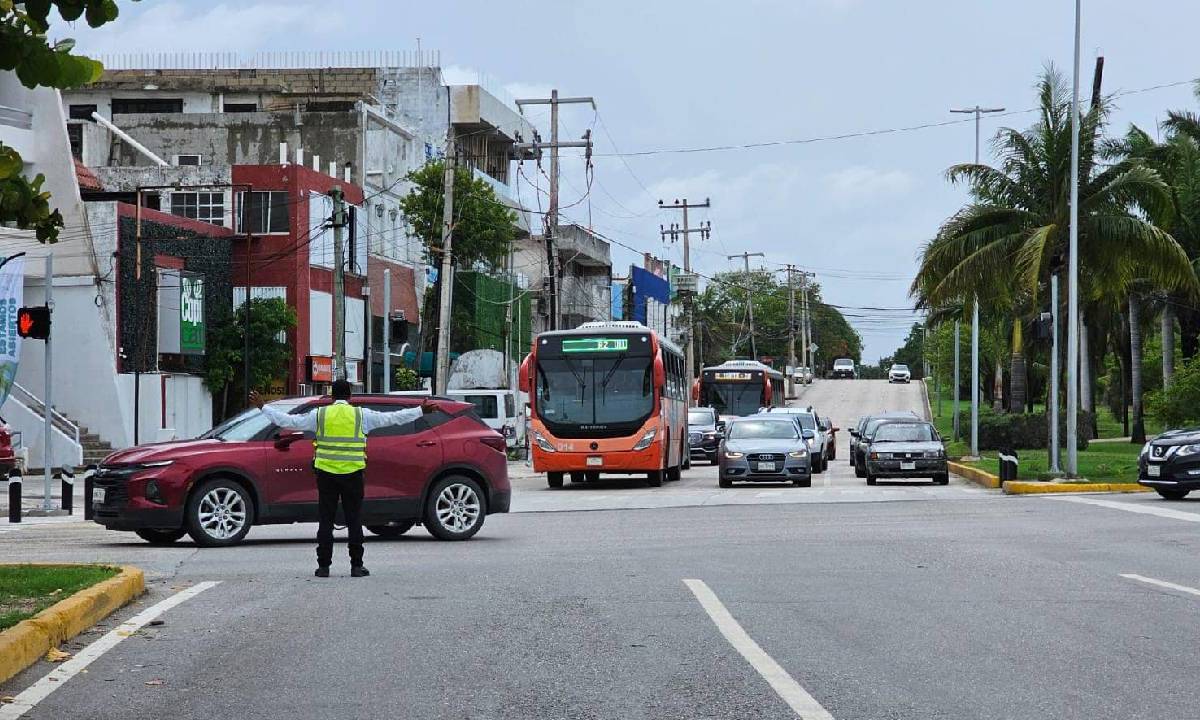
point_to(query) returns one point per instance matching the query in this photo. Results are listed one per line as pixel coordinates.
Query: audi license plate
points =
(1153, 470)
(765, 467)
(97, 496)
(595, 461)
(908, 466)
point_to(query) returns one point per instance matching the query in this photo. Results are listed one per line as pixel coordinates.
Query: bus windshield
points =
(595, 391)
(735, 398)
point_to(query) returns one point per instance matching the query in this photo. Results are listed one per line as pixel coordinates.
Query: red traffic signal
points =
(34, 322)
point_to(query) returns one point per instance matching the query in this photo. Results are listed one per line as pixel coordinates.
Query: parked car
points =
(704, 433)
(830, 430)
(246, 472)
(868, 427)
(1170, 463)
(843, 368)
(807, 419)
(905, 449)
(899, 373)
(765, 449)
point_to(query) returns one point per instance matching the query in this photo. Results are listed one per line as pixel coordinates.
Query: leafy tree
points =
(25, 50)
(269, 355)
(484, 228)
(1179, 405)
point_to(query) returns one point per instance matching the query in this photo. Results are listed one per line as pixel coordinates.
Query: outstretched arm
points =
(373, 419)
(306, 422)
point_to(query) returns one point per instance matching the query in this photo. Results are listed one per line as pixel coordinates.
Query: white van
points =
(502, 410)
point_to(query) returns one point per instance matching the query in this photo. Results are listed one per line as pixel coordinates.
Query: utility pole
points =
(675, 231)
(1073, 274)
(749, 298)
(339, 284)
(551, 220)
(387, 330)
(791, 375)
(806, 345)
(441, 372)
(978, 112)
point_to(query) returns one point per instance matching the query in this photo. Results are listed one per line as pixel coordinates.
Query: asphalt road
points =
(942, 605)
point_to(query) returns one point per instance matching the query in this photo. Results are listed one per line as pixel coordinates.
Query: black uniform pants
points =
(349, 490)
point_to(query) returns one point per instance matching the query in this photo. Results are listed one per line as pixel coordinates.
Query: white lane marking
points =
(1134, 507)
(1161, 583)
(805, 705)
(41, 689)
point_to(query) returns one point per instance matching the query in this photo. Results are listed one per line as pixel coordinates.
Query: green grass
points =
(1109, 425)
(1101, 462)
(26, 590)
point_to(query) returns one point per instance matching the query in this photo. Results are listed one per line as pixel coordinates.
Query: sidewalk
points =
(32, 497)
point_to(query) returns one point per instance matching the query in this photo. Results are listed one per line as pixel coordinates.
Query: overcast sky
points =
(696, 73)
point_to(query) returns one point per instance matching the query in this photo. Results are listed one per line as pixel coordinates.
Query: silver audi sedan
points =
(764, 449)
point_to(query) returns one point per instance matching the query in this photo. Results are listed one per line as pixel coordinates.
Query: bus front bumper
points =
(620, 461)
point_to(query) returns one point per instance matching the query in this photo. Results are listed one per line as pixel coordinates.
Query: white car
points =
(899, 373)
(803, 376)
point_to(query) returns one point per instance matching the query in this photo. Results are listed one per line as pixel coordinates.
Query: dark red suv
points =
(247, 471)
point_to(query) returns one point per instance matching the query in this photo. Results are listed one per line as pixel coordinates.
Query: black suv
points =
(1170, 463)
(704, 433)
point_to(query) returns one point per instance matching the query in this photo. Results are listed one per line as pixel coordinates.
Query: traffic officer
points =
(339, 457)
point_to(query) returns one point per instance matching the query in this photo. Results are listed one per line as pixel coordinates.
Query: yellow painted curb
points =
(1022, 487)
(974, 474)
(24, 643)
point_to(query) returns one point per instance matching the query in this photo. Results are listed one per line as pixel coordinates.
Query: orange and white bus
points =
(606, 397)
(739, 387)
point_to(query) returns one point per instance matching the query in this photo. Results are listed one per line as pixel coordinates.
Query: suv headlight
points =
(645, 440)
(1187, 450)
(1145, 448)
(542, 443)
(798, 453)
(155, 464)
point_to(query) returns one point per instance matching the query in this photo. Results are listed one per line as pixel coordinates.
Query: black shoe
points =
(322, 571)
(359, 571)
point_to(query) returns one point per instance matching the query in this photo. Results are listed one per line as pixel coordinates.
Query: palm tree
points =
(1001, 246)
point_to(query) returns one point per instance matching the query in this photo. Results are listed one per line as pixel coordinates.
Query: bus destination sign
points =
(733, 376)
(595, 344)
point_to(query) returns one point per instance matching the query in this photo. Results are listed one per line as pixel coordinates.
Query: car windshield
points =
(843, 363)
(240, 428)
(904, 432)
(874, 424)
(900, 368)
(700, 417)
(766, 429)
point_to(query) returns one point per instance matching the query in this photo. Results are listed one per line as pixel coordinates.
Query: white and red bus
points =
(606, 397)
(739, 387)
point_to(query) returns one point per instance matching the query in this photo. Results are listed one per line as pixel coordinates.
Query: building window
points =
(206, 207)
(240, 107)
(264, 212)
(75, 136)
(130, 106)
(81, 112)
(187, 159)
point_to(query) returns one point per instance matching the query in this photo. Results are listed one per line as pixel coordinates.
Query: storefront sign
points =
(191, 314)
(320, 369)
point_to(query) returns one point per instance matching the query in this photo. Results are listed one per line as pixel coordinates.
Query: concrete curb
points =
(975, 475)
(28, 641)
(1021, 487)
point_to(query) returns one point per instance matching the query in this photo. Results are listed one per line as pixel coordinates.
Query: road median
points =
(29, 640)
(1038, 487)
(974, 474)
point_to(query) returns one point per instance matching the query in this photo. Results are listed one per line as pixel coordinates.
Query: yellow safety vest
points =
(340, 446)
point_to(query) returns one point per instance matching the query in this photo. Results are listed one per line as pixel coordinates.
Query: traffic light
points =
(34, 322)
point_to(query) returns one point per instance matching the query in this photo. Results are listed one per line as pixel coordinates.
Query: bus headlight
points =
(542, 443)
(645, 440)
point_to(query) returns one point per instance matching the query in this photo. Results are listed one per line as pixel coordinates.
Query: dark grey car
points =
(907, 450)
(860, 439)
(764, 449)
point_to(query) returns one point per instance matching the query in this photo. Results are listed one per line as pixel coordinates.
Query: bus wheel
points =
(576, 477)
(654, 478)
(554, 479)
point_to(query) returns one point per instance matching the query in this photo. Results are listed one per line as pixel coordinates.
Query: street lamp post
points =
(1073, 274)
(978, 112)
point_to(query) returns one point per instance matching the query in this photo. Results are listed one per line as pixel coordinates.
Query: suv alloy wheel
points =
(218, 513)
(454, 509)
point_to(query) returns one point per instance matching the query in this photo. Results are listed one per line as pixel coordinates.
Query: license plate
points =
(765, 467)
(908, 466)
(595, 461)
(97, 496)
(1153, 470)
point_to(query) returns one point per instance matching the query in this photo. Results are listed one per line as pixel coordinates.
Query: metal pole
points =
(552, 211)
(690, 349)
(46, 457)
(442, 368)
(791, 378)
(339, 285)
(975, 378)
(957, 382)
(387, 330)
(1073, 272)
(1054, 373)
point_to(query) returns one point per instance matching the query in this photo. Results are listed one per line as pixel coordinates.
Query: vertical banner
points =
(12, 294)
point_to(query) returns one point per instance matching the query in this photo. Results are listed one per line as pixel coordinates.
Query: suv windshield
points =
(769, 429)
(900, 368)
(700, 417)
(904, 432)
(240, 428)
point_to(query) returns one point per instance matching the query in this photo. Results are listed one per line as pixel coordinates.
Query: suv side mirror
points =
(853, 432)
(809, 434)
(721, 425)
(284, 438)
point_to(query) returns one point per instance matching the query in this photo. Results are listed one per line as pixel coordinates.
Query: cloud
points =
(858, 183)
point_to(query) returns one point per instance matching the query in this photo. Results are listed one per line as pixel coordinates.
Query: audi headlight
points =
(1187, 450)
(798, 453)
(542, 443)
(646, 439)
(732, 455)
